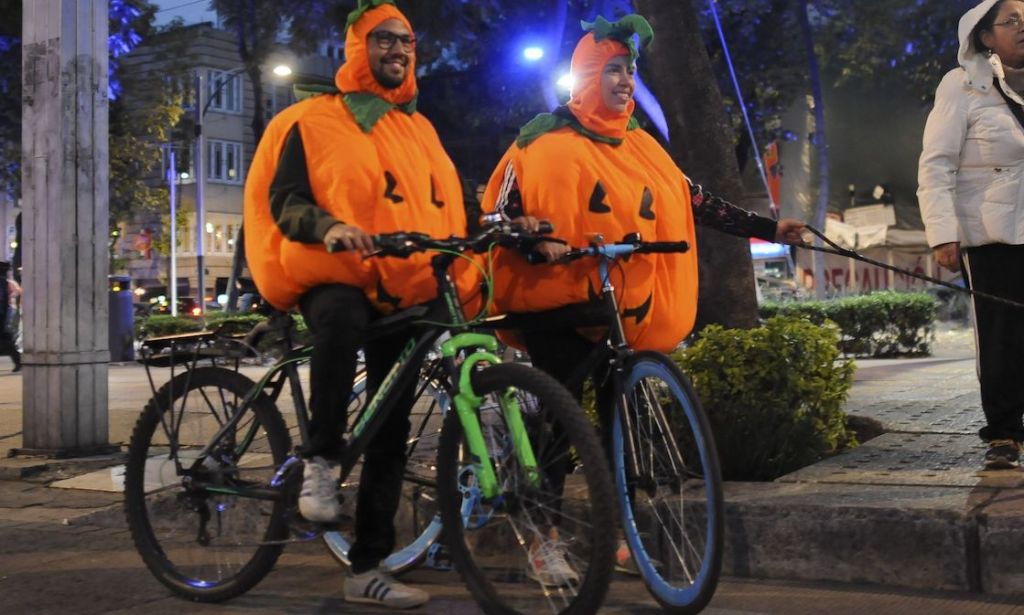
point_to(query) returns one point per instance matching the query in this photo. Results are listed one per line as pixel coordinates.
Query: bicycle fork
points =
(467, 404)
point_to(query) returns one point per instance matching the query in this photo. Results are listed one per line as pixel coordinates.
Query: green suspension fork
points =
(467, 404)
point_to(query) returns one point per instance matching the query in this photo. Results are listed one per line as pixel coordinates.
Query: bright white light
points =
(209, 227)
(222, 299)
(565, 82)
(533, 53)
(184, 175)
(282, 70)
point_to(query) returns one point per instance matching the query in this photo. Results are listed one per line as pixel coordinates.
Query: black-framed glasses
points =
(386, 40)
(1013, 21)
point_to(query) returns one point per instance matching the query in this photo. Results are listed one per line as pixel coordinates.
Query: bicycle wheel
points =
(672, 506)
(495, 547)
(418, 522)
(203, 544)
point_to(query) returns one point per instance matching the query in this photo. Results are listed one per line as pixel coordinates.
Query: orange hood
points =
(355, 74)
(586, 103)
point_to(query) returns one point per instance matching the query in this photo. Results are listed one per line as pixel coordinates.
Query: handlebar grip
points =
(535, 258)
(545, 228)
(664, 247)
(335, 246)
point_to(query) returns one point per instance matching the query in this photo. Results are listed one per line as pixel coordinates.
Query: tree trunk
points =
(820, 145)
(701, 144)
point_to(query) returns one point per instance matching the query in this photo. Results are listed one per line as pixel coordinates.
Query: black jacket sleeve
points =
(721, 215)
(291, 196)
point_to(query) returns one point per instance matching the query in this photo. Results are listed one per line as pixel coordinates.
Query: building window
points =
(224, 161)
(224, 91)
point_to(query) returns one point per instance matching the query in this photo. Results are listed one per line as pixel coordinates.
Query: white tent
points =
(906, 249)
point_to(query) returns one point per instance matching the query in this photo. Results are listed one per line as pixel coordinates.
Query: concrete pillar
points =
(64, 182)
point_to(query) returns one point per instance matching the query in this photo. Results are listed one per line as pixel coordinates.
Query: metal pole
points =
(200, 155)
(172, 176)
(237, 262)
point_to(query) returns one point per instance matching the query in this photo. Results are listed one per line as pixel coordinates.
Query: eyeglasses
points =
(1013, 21)
(386, 40)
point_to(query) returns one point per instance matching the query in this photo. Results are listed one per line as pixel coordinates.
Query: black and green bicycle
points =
(212, 480)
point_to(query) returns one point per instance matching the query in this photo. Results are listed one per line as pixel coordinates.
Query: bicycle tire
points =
(165, 516)
(490, 547)
(679, 561)
(418, 523)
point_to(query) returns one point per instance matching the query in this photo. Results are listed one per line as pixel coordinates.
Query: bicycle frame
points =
(616, 351)
(481, 348)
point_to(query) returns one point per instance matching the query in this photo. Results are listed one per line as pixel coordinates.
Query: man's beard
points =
(386, 79)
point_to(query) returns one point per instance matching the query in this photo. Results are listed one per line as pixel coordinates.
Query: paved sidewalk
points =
(909, 509)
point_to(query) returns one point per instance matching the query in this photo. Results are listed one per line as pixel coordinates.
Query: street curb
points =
(20, 469)
(949, 538)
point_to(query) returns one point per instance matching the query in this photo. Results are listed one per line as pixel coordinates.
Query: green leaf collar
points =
(366, 108)
(560, 118)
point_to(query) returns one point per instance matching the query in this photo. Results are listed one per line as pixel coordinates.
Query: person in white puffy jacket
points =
(971, 193)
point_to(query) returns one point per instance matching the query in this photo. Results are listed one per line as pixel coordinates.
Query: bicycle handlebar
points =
(505, 234)
(614, 250)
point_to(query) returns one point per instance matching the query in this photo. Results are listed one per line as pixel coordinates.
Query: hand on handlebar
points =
(551, 251)
(347, 237)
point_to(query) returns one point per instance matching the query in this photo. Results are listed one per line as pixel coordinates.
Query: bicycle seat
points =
(572, 316)
(396, 321)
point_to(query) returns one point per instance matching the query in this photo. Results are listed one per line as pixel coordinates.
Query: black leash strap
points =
(835, 248)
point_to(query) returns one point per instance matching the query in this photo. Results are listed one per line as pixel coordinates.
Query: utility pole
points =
(199, 158)
(172, 185)
(65, 175)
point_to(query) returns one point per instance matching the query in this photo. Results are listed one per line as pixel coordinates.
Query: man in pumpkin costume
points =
(590, 169)
(335, 168)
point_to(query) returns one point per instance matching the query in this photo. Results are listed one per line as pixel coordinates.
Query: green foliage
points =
(164, 324)
(908, 44)
(879, 325)
(233, 324)
(774, 394)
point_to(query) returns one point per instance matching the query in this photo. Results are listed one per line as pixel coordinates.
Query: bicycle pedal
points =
(438, 558)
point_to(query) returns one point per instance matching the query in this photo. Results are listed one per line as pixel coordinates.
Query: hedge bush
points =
(165, 324)
(774, 394)
(878, 325)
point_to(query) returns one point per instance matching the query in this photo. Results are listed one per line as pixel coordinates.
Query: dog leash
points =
(836, 249)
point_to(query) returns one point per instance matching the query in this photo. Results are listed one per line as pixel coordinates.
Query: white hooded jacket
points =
(971, 172)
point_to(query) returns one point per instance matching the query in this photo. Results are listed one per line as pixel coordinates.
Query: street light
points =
(533, 53)
(202, 106)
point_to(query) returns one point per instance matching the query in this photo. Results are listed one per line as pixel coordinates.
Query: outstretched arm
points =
(721, 215)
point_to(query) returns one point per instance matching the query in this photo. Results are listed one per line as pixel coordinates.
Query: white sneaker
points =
(380, 588)
(548, 563)
(318, 500)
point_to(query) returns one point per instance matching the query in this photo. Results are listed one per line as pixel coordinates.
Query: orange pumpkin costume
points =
(596, 172)
(371, 161)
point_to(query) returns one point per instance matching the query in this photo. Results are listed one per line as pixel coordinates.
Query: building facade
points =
(211, 53)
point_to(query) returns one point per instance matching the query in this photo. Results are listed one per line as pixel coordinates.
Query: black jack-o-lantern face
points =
(597, 203)
(638, 312)
(383, 296)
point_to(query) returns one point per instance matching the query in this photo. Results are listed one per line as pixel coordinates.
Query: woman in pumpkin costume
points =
(589, 169)
(337, 167)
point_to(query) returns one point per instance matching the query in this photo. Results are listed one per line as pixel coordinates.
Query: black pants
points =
(337, 316)
(560, 353)
(7, 345)
(998, 269)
